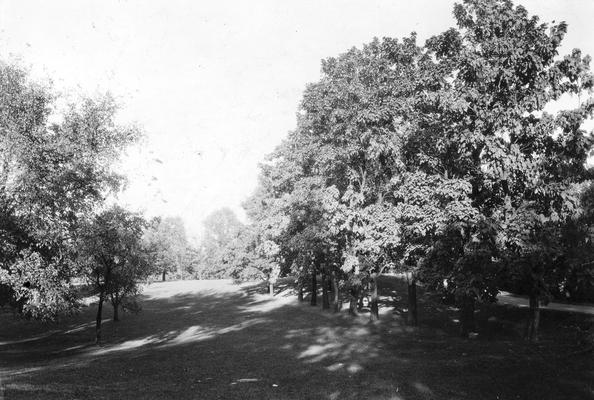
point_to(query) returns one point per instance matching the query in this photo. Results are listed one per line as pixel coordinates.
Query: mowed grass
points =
(216, 340)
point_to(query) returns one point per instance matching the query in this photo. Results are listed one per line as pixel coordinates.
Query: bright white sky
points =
(214, 84)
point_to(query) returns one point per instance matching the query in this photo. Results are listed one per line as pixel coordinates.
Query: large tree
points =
(350, 131)
(51, 176)
(490, 126)
(443, 160)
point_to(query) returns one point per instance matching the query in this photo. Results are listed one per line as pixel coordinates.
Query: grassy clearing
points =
(214, 340)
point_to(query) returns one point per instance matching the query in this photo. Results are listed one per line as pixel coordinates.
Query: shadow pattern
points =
(239, 343)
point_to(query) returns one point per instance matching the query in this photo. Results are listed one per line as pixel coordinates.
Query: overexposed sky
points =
(214, 84)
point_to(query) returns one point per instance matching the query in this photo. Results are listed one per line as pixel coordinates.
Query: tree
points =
(573, 273)
(113, 259)
(445, 241)
(489, 127)
(442, 161)
(51, 177)
(353, 120)
(221, 228)
(240, 257)
(166, 237)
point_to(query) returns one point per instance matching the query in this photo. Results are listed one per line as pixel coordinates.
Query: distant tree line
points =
(444, 162)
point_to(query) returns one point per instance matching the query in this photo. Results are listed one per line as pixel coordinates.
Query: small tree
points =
(113, 258)
(166, 239)
(221, 229)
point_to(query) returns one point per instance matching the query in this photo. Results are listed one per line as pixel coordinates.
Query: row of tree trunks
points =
(329, 284)
(467, 305)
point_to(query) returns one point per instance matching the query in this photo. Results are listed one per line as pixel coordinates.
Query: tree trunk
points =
(354, 297)
(164, 273)
(412, 315)
(116, 314)
(467, 324)
(99, 317)
(534, 319)
(271, 288)
(115, 303)
(337, 303)
(374, 301)
(300, 292)
(314, 288)
(325, 296)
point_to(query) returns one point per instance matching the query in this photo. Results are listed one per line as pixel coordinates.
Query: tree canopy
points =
(441, 160)
(52, 175)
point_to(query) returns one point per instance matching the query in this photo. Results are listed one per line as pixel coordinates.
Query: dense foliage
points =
(458, 163)
(52, 177)
(170, 253)
(60, 239)
(113, 259)
(441, 161)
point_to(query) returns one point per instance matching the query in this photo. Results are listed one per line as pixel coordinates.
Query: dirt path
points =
(523, 302)
(519, 301)
(214, 340)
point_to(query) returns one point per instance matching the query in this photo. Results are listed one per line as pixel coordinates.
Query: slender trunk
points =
(99, 316)
(534, 319)
(300, 291)
(271, 288)
(374, 301)
(337, 303)
(412, 315)
(115, 303)
(354, 297)
(116, 314)
(467, 324)
(164, 273)
(325, 296)
(314, 288)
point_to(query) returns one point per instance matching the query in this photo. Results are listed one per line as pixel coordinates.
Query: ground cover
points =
(216, 340)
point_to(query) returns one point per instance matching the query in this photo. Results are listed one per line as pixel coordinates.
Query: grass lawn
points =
(215, 340)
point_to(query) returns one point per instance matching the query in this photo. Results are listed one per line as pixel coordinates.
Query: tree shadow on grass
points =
(237, 342)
